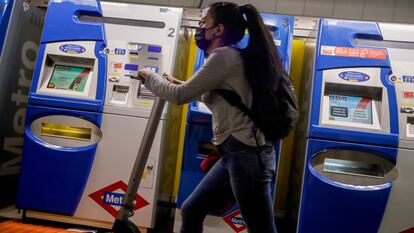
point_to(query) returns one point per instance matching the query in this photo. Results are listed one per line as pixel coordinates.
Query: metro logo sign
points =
(110, 196)
(113, 198)
(236, 221)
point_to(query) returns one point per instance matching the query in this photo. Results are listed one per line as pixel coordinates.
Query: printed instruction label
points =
(379, 54)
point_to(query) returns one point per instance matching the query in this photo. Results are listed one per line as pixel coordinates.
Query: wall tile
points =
(290, 7)
(404, 12)
(319, 8)
(153, 2)
(378, 10)
(264, 5)
(205, 2)
(183, 3)
(240, 2)
(348, 9)
(400, 11)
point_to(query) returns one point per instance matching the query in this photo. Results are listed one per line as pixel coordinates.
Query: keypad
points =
(119, 97)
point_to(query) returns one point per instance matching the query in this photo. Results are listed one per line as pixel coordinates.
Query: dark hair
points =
(262, 65)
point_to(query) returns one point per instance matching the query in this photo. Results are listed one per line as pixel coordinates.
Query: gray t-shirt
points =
(223, 69)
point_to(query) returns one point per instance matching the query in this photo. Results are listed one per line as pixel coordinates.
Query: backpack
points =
(275, 114)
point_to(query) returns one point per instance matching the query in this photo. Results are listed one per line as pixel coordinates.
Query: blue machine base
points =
(53, 179)
(328, 206)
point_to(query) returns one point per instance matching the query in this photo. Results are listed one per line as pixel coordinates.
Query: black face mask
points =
(200, 38)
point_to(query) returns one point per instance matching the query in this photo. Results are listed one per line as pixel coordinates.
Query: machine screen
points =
(350, 109)
(69, 78)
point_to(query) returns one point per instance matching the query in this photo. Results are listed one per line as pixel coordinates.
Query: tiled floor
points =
(11, 222)
(163, 224)
(15, 226)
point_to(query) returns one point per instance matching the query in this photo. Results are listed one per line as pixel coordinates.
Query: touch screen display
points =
(69, 78)
(350, 109)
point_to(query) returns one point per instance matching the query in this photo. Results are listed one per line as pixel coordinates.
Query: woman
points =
(241, 170)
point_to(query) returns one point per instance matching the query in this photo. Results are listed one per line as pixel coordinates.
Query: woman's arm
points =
(172, 79)
(205, 79)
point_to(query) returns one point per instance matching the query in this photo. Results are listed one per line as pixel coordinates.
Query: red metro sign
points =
(109, 197)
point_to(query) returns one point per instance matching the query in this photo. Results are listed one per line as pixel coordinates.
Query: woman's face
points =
(207, 23)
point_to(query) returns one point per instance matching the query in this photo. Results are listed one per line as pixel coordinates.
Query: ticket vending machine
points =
(86, 116)
(199, 133)
(400, 46)
(352, 141)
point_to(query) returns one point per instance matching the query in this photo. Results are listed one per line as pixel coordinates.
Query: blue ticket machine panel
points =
(353, 132)
(63, 118)
(6, 7)
(199, 133)
(87, 115)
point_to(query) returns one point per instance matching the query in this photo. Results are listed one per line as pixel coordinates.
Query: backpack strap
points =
(234, 100)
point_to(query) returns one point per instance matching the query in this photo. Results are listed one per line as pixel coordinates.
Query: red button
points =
(408, 94)
(118, 66)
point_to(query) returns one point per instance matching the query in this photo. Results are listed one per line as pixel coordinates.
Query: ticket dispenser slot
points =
(67, 131)
(353, 167)
(342, 166)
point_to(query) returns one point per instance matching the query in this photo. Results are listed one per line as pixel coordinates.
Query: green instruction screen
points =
(69, 78)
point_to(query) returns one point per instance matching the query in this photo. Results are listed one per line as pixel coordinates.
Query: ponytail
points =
(263, 67)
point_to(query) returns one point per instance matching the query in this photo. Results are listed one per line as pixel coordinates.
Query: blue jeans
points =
(239, 172)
